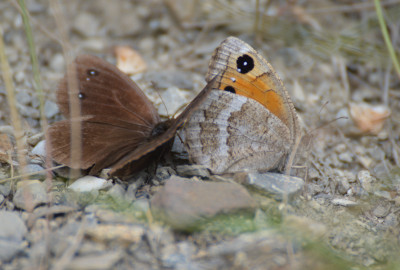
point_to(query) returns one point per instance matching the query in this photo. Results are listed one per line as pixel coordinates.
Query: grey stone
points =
(90, 183)
(132, 189)
(381, 211)
(12, 232)
(384, 194)
(142, 205)
(100, 261)
(178, 256)
(9, 205)
(260, 250)
(345, 157)
(275, 184)
(108, 216)
(39, 149)
(9, 130)
(35, 139)
(36, 171)
(28, 111)
(63, 237)
(5, 189)
(343, 202)
(184, 203)
(50, 109)
(391, 220)
(57, 62)
(29, 194)
(116, 191)
(366, 180)
(193, 170)
(23, 97)
(124, 20)
(86, 24)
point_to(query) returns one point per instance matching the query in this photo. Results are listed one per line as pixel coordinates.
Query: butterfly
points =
(120, 127)
(248, 121)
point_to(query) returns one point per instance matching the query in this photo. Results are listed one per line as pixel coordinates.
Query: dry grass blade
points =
(73, 89)
(24, 176)
(15, 118)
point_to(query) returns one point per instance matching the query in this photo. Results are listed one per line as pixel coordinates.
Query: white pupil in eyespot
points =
(233, 79)
(80, 95)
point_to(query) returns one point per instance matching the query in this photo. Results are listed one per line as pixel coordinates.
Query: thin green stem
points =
(34, 60)
(386, 37)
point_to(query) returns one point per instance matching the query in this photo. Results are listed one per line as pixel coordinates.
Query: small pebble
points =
(12, 232)
(39, 149)
(5, 189)
(36, 171)
(274, 184)
(90, 183)
(29, 194)
(50, 109)
(381, 211)
(116, 191)
(366, 180)
(86, 24)
(345, 157)
(184, 203)
(343, 202)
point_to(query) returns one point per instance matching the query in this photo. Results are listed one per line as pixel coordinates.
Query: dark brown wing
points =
(105, 91)
(156, 142)
(116, 115)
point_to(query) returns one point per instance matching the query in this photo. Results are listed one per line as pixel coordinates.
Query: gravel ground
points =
(332, 59)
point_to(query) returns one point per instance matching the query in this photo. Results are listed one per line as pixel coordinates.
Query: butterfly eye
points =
(92, 72)
(244, 64)
(230, 89)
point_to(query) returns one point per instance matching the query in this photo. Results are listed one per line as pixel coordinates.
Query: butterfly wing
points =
(230, 133)
(245, 72)
(156, 142)
(116, 116)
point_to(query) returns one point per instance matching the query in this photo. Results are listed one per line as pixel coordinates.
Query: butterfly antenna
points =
(162, 100)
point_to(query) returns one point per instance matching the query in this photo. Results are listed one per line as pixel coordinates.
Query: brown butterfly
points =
(252, 123)
(120, 127)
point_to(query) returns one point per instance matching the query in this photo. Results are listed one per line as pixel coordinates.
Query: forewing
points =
(116, 116)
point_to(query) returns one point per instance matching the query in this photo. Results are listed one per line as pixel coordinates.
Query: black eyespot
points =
(81, 95)
(230, 89)
(244, 64)
(92, 72)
